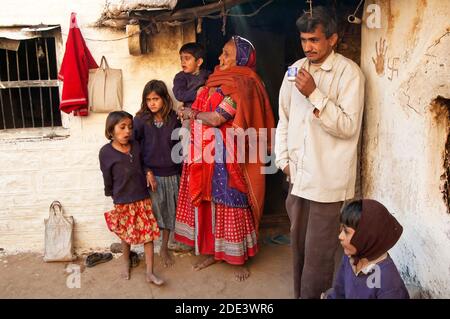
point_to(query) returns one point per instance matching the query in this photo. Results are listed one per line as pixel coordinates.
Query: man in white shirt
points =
(316, 147)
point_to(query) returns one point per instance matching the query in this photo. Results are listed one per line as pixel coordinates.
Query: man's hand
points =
(287, 171)
(304, 82)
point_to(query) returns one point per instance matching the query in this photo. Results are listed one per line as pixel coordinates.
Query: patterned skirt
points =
(134, 222)
(227, 233)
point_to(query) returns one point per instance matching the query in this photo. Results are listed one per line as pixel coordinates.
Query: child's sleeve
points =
(107, 175)
(180, 90)
(338, 290)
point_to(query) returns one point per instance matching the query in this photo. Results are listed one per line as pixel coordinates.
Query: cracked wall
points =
(406, 129)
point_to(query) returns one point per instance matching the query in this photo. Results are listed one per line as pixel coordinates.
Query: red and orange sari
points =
(220, 202)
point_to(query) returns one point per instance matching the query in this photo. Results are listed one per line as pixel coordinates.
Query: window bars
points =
(29, 93)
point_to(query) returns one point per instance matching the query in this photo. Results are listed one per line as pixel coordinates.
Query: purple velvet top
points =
(156, 145)
(388, 285)
(122, 174)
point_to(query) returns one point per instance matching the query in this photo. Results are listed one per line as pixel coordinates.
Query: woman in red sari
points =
(220, 200)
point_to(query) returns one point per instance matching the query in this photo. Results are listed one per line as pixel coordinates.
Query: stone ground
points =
(27, 276)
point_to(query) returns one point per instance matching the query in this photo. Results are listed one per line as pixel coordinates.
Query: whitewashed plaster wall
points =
(34, 169)
(404, 136)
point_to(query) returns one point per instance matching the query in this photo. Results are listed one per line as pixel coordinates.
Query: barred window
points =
(29, 93)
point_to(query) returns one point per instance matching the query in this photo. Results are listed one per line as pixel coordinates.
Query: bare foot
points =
(241, 273)
(125, 272)
(166, 258)
(206, 263)
(151, 278)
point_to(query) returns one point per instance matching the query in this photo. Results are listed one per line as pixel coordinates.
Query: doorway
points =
(274, 34)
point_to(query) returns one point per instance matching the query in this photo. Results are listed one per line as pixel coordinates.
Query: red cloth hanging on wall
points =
(75, 71)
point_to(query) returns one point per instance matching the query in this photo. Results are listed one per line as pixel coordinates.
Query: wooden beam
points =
(27, 84)
(188, 13)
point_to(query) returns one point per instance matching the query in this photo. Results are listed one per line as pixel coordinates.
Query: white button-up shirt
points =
(322, 152)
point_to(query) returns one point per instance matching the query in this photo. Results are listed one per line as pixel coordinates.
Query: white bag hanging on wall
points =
(105, 89)
(58, 235)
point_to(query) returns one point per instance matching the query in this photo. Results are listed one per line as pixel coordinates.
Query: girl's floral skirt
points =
(134, 222)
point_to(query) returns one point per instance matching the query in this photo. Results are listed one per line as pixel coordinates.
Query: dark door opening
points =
(276, 39)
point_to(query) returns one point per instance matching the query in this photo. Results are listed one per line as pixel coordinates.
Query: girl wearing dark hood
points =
(367, 271)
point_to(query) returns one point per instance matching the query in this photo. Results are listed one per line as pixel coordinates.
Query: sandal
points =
(98, 258)
(281, 240)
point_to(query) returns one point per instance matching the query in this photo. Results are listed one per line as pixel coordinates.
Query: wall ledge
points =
(33, 134)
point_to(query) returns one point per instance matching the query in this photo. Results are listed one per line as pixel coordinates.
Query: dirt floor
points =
(27, 276)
